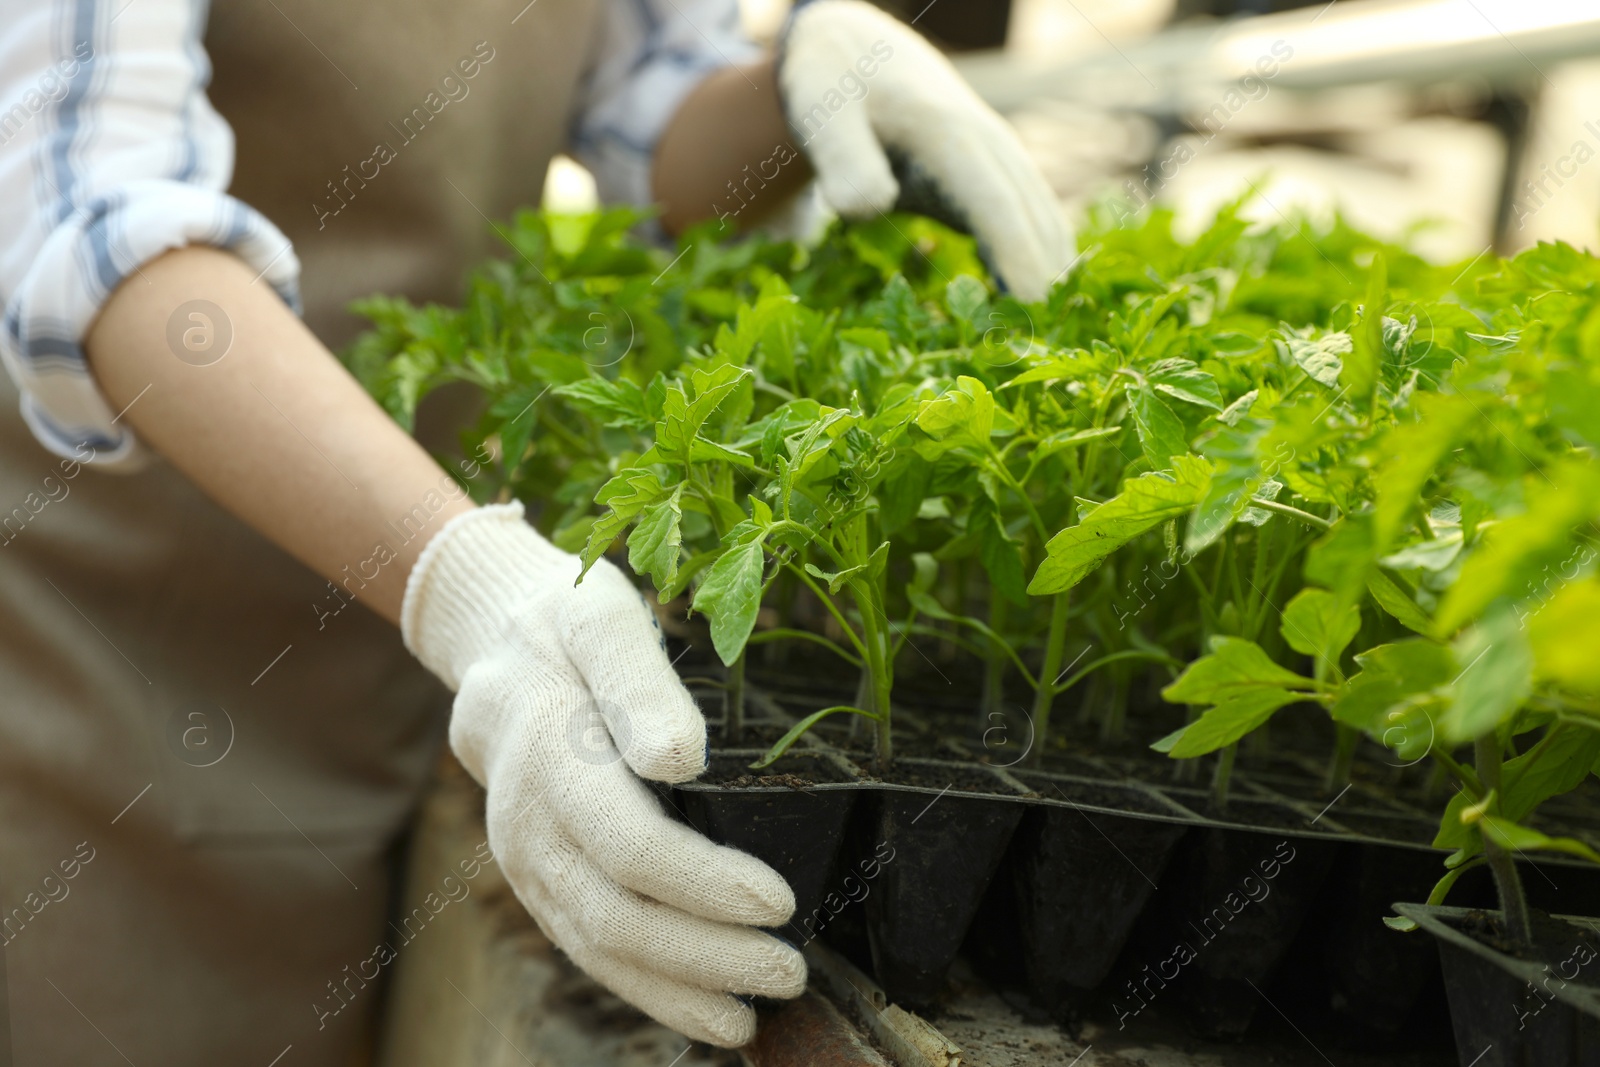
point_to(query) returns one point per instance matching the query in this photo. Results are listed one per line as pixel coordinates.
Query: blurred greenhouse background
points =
(1463, 125)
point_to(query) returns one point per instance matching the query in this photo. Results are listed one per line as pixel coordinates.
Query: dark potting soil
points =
(943, 776)
(1159, 771)
(1094, 794)
(912, 747)
(1407, 788)
(1302, 788)
(1077, 766)
(912, 739)
(1554, 940)
(1335, 804)
(1388, 827)
(1265, 814)
(1245, 811)
(764, 781)
(794, 770)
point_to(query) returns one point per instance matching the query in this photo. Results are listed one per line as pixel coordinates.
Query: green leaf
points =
(561, 368)
(1557, 765)
(1496, 342)
(1319, 356)
(711, 388)
(1398, 602)
(518, 428)
(1237, 474)
(611, 403)
(961, 415)
(1166, 743)
(730, 596)
(1230, 720)
(1412, 455)
(1366, 699)
(1565, 636)
(687, 572)
(1315, 623)
(902, 491)
(1453, 833)
(1517, 838)
(1342, 558)
(1367, 351)
(1496, 677)
(1432, 555)
(834, 579)
(1574, 400)
(815, 443)
(1000, 553)
(656, 543)
(570, 536)
(1065, 439)
(1144, 503)
(1393, 675)
(1235, 343)
(1076, 365)
(1418, 662)
(704, 451)
(1161, 432)
(1268, 490)
(1239, 408)
(1234, 666)
(625, 495)
(1516, 553)
(870, 338)
(684, 416)
(1436, 896)
(965, 296)
(790, 418)
(1184, 380)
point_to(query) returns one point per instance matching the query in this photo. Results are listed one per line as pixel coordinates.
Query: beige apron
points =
(203, 784)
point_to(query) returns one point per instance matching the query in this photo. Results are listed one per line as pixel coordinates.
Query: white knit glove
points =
(565, 699)
(860, 88)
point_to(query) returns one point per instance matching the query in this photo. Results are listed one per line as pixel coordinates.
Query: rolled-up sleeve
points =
(652, 54)
(110, 154)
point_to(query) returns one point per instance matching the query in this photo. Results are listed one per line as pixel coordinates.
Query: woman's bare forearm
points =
(276, 431)
(727, 153)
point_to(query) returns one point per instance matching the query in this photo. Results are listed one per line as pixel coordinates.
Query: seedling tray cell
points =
(792, 816)
(1082, 870)
(1516, 1012)
(1375, 977)
(1235, 900)
(945, 847)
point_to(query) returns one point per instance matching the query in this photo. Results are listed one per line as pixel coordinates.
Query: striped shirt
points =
(111, 154)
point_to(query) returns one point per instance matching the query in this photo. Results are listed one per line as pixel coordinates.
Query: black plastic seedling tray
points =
(1079, 888)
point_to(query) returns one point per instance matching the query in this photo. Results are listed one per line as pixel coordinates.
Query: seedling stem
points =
(1222, 778)
(733, 703)
(1054, 650)
(1507, 882)
(1344, 754)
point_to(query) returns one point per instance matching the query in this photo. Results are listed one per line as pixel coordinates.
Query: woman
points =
(203, 768)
